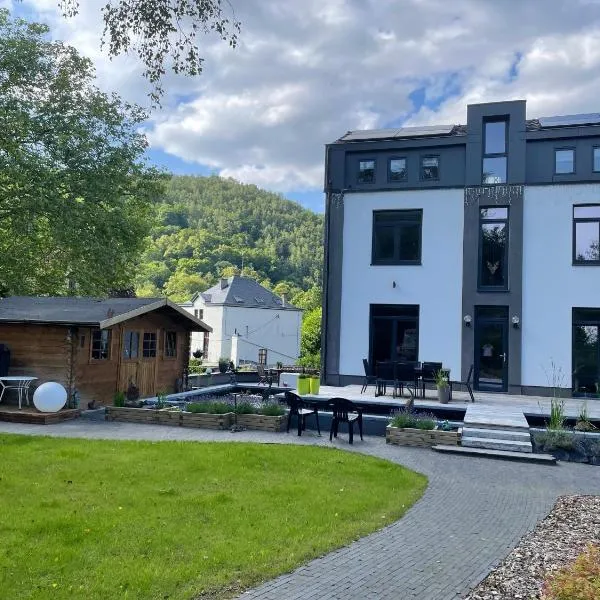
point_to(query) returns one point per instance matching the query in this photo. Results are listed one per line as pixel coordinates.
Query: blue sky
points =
(307, 71)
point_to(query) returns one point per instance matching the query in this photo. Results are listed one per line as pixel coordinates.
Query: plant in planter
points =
(408, 428)
(161, 400)
(223, 364)
(443, 386)
(119, 399)
(198, 353)
(315, 383)
(583, 421)
(303, 384)
(279, 364)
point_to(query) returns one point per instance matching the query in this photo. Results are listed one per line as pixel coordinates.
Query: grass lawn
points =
(179, 520)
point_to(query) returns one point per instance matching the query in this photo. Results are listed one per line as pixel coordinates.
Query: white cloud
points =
(306, 71)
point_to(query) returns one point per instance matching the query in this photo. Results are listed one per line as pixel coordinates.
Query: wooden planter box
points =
(263, 422)
(173, 418)
(421, 437)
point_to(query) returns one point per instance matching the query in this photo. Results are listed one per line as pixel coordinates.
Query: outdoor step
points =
(485, 417)
(500, 434)
(546, 459)
(496, 444)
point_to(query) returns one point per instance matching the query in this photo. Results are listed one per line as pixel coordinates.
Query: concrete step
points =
(500, 434)
(491, 443)
(546, 459)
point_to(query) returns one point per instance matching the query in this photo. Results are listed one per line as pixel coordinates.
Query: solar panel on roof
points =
(369, 134)
(402, 132)
(424, 130)
(570, 120)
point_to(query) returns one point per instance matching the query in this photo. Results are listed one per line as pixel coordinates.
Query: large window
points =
(493, 247)
(149, 345)
(397, 169)
(394, 332)
(564, 161)
(170, 344)
(397, 237)
(494, 152)
(366, 171)
(586, 351)
(131, 344)
(430, 168)
(101, 344)
(596, 159)
(586, 234)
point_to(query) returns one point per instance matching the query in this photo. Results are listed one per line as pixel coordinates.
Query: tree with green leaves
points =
(75, 194)
(310, 341)
(163, 31)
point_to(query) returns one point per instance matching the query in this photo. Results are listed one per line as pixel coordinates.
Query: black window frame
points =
(359, 171)
(562, 149)
(101, 343)
(199, 313)
(583, 263)
(396, 260)
(170, 350)
(594, 148)
(501, 119)
(583, 317)
(421, 167)
(506, 221)
(389, 169)
(127, 345)
(393, 313)
(149, 344)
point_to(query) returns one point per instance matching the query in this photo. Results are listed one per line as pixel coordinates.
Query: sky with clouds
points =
(307, 71)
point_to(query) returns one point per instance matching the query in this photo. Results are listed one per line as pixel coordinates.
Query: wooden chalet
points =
(99, 346)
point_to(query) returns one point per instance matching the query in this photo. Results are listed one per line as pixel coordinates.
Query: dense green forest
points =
(210, 227)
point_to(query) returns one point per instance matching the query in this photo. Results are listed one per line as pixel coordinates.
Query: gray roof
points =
(243, 291)
(72, 310)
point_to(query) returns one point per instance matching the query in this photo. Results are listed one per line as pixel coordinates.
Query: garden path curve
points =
(473, 513)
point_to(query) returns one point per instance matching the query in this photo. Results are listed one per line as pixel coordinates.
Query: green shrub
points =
(161, 400)
(272, 409)
(577, 581)
(557, 414)
(195, 366)
(212, 408)
(425, 423)
(119, 399)
(555, 440)
(406, 418)
(245, 408)
(224, 364)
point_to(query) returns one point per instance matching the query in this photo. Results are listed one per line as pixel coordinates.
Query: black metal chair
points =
(405, 377)
(386, 375)
(428, 371)
(264, 377)
(344, 411)
(466, 383)
(370, 377)
(300, 409)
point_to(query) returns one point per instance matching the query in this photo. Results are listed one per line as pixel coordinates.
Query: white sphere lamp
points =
(50, 397)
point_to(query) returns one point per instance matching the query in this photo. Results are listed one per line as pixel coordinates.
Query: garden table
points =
(20, 383)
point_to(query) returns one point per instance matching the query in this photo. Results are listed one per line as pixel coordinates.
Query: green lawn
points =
(177, 520)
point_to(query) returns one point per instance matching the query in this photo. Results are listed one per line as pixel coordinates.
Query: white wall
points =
(435, 285)
(552, 286)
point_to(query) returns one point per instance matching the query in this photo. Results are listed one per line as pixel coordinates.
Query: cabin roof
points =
(93, 312)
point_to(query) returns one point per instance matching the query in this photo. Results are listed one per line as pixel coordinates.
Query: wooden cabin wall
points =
(40, 351)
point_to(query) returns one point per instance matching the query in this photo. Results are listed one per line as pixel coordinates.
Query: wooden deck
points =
(30, 414)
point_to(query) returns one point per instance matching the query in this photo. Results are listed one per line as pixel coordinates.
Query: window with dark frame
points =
(564, 161)
(494, 164)
(596, 159)
(366, 171)
(585, 351)
(493, 248)
(262, 356)
(430, 168)
(397, 169)
(170, 344)
(131, 344)
(199, 313)
(149, 345)
(394, 333)
(586, 234)
(101, 344)
(397, 237)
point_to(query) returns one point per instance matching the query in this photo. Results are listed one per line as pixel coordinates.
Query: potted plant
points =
(443, 386)
(197, 353)
(315, 383)
(223, 364)
(303, 384)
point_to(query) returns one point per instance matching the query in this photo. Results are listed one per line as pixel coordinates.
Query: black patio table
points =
(399, 374)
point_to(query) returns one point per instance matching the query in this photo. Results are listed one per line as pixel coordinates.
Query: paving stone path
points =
(474, 511)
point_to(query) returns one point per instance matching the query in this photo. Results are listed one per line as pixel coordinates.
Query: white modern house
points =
(250, 324)
(472, 245)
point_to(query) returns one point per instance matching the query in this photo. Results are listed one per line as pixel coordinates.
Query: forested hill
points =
(209, 226)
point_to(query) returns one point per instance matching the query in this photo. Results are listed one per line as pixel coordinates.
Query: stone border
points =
(406, 436)
(262, 422)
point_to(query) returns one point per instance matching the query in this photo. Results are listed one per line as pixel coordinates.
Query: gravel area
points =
(556, 541)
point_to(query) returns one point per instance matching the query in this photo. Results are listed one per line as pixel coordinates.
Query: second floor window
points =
(564, 161)
(101, 344)
(430, 168)
(596, 160)
(199, 313)
(493, 247)
(397, 169)
(366, 171)
(494, 152)
(397, 237)
(586, 234)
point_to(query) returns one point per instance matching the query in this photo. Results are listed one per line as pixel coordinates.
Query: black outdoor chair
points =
(406, 377)
(466, 383)
(428, 371)
(344, 411)
(301, 410)
(369, 376)
(386, 375)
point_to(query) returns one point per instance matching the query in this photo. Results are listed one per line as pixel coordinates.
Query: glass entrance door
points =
(491, 349)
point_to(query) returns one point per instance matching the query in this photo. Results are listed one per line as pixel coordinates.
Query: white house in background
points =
(249, 323)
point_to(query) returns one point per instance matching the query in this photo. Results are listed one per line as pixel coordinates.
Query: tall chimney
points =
(224, 283)
(283, 300)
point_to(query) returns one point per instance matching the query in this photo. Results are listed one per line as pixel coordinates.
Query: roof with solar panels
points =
(437, 131)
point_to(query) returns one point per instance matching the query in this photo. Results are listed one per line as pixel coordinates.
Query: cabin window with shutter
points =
(101, 344)
(149, 345)
(171, 344)
(131, 344)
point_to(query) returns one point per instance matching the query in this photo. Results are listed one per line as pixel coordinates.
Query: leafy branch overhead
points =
(159, 30)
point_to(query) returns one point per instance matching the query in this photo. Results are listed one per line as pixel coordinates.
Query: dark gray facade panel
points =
(540, 160)
(334, 172)
(451, 169)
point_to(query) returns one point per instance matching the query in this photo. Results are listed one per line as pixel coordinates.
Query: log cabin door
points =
(138, 360)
